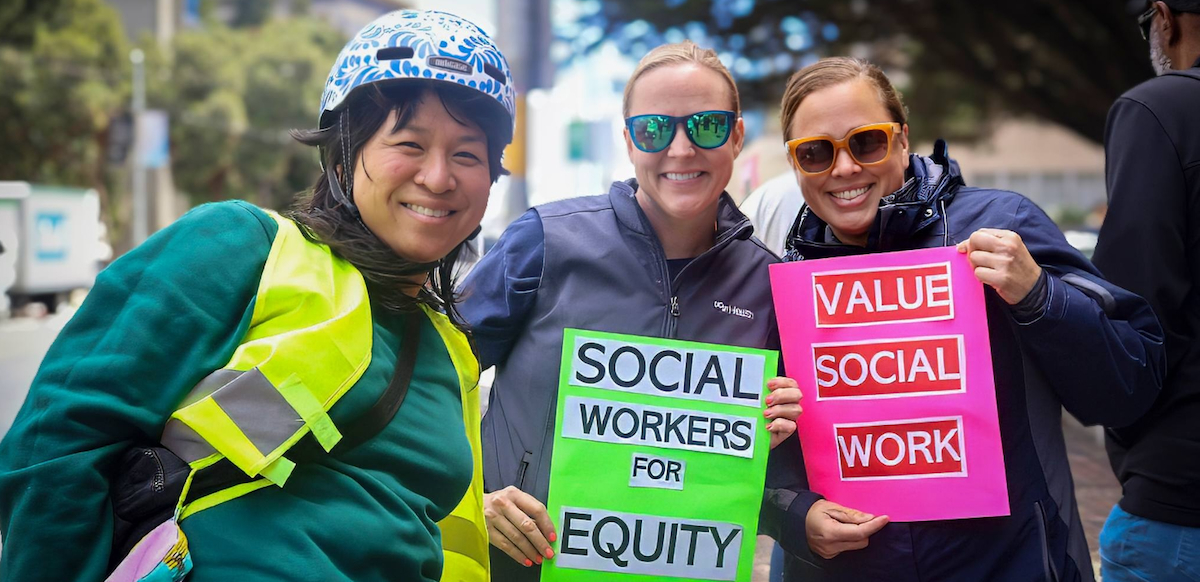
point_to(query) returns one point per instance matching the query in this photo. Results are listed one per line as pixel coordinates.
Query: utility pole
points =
(524, 37)
(141, 210)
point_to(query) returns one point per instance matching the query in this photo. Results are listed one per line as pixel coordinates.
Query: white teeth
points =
(851, 194)
(427, 211)
(675, 176)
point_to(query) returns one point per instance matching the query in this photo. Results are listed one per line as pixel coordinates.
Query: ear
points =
(903, 143)
(1167, 23)
(739, 136)
(628, 143)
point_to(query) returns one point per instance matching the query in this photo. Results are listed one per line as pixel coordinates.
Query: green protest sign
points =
(660, 454)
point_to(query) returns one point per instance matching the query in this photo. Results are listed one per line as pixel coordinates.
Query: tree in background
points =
(19, 19)
(65, 72)
(232, 95)
(1064, 61)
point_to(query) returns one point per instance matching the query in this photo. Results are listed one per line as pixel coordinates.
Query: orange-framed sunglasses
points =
(868, 145)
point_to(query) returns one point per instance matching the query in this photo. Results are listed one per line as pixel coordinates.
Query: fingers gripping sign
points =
(519, 525)
(1002, 261)
(783, 408)
(832, 529)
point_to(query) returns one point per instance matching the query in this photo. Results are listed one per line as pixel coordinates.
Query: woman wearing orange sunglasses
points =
(1060, 334)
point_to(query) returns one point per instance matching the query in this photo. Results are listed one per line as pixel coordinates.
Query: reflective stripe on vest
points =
(309, 341)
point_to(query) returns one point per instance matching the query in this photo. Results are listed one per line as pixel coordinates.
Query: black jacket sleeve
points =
(1143, 243)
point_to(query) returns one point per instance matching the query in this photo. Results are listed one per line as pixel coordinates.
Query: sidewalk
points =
(23, 343)
(1096, 489)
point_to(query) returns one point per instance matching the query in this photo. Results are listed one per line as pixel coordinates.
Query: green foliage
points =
(250, 12)
(232, 95)
(19, 19)
(60, 95)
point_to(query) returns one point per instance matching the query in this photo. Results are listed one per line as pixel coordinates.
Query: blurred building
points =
(1053, 166)
(160, 18)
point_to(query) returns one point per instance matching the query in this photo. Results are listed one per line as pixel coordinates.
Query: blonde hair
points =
(679, 53)
(832, 71)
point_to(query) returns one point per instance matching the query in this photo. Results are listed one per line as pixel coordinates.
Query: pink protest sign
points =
(892, 353)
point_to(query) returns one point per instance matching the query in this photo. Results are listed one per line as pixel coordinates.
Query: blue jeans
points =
(776, 564)
(1136, 549)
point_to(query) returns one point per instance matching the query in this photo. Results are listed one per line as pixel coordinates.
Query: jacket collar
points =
(916, 206)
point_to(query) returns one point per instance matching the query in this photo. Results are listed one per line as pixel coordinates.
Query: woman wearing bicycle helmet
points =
(242, 342)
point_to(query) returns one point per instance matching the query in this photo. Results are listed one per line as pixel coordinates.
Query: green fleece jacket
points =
(157, 321)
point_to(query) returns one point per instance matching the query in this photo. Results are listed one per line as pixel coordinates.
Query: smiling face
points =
(423, 188)
(680, 185)
(847, 196)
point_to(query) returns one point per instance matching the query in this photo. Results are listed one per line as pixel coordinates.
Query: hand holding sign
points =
(783, 408)
(659, 458)
(832, 529)
(1002, 261)
(519, 525)
(892, 353)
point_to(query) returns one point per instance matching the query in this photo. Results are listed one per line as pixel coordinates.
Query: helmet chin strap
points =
(336, 190)
(335, 187)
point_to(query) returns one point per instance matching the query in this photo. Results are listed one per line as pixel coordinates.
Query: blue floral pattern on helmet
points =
(444, 47)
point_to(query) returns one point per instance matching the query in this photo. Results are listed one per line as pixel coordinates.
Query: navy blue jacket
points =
(1092, 348)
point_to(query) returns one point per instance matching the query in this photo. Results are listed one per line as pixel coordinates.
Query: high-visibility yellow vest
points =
(309, 341)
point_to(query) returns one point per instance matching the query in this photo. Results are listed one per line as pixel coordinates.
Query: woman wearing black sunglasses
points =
(1060, 334)
(666, 254)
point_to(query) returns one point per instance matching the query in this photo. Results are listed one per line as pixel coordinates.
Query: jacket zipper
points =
(673, 320)
(671, 326)
(160, 474)
(525, 459)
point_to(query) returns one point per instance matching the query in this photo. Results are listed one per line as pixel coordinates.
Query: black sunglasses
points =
(1145, 20)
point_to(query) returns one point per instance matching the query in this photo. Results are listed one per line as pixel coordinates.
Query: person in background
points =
(772, 208)
(243, 341)
(659, 255)
(1060, 335)
(1150, 244)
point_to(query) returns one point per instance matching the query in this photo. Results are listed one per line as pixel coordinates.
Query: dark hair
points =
(327, 221)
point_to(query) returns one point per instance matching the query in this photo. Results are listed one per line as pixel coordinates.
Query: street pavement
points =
(1096, 489)
(23, 343)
